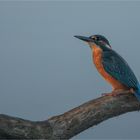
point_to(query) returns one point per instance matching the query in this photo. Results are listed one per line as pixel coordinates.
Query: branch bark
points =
(71, 123)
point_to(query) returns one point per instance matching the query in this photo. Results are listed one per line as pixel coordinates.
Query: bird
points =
(112, 67)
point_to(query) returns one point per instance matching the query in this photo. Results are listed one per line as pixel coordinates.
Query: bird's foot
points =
(115, 93)
(110, 94)
(132, 90)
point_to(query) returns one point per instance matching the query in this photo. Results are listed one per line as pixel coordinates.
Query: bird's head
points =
(96, 40)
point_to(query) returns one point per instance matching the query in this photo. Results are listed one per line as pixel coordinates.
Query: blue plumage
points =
(118, 68)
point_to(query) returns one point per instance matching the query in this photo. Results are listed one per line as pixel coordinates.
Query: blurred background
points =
(45, 71)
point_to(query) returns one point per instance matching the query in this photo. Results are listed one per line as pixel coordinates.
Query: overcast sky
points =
(45, 71)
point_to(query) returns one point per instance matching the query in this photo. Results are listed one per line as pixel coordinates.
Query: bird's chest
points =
(97, 59)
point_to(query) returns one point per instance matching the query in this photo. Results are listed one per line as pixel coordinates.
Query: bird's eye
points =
(93, 37)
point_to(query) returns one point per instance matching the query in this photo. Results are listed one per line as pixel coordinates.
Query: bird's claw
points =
(118, 92)
(110, 94)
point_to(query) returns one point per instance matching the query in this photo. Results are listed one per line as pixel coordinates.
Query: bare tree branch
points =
(71, 123)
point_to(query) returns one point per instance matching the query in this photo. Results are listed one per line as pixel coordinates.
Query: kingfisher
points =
(113, 68)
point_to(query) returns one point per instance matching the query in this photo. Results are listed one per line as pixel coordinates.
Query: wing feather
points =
(118, 68)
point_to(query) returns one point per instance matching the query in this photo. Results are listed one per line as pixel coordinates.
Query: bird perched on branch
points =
(112, 66)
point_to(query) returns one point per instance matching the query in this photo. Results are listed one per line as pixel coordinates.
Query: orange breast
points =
(97, 57)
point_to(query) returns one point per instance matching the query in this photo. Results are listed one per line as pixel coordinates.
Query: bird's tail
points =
(137, 93)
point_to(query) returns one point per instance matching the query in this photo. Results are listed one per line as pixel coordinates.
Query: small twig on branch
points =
(71, 123)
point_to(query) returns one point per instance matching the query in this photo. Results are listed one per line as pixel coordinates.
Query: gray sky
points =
(45, 71)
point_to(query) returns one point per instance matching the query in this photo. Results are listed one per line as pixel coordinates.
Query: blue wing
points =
(118, 68)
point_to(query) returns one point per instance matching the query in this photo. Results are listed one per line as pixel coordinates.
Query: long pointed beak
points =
(87, 39)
